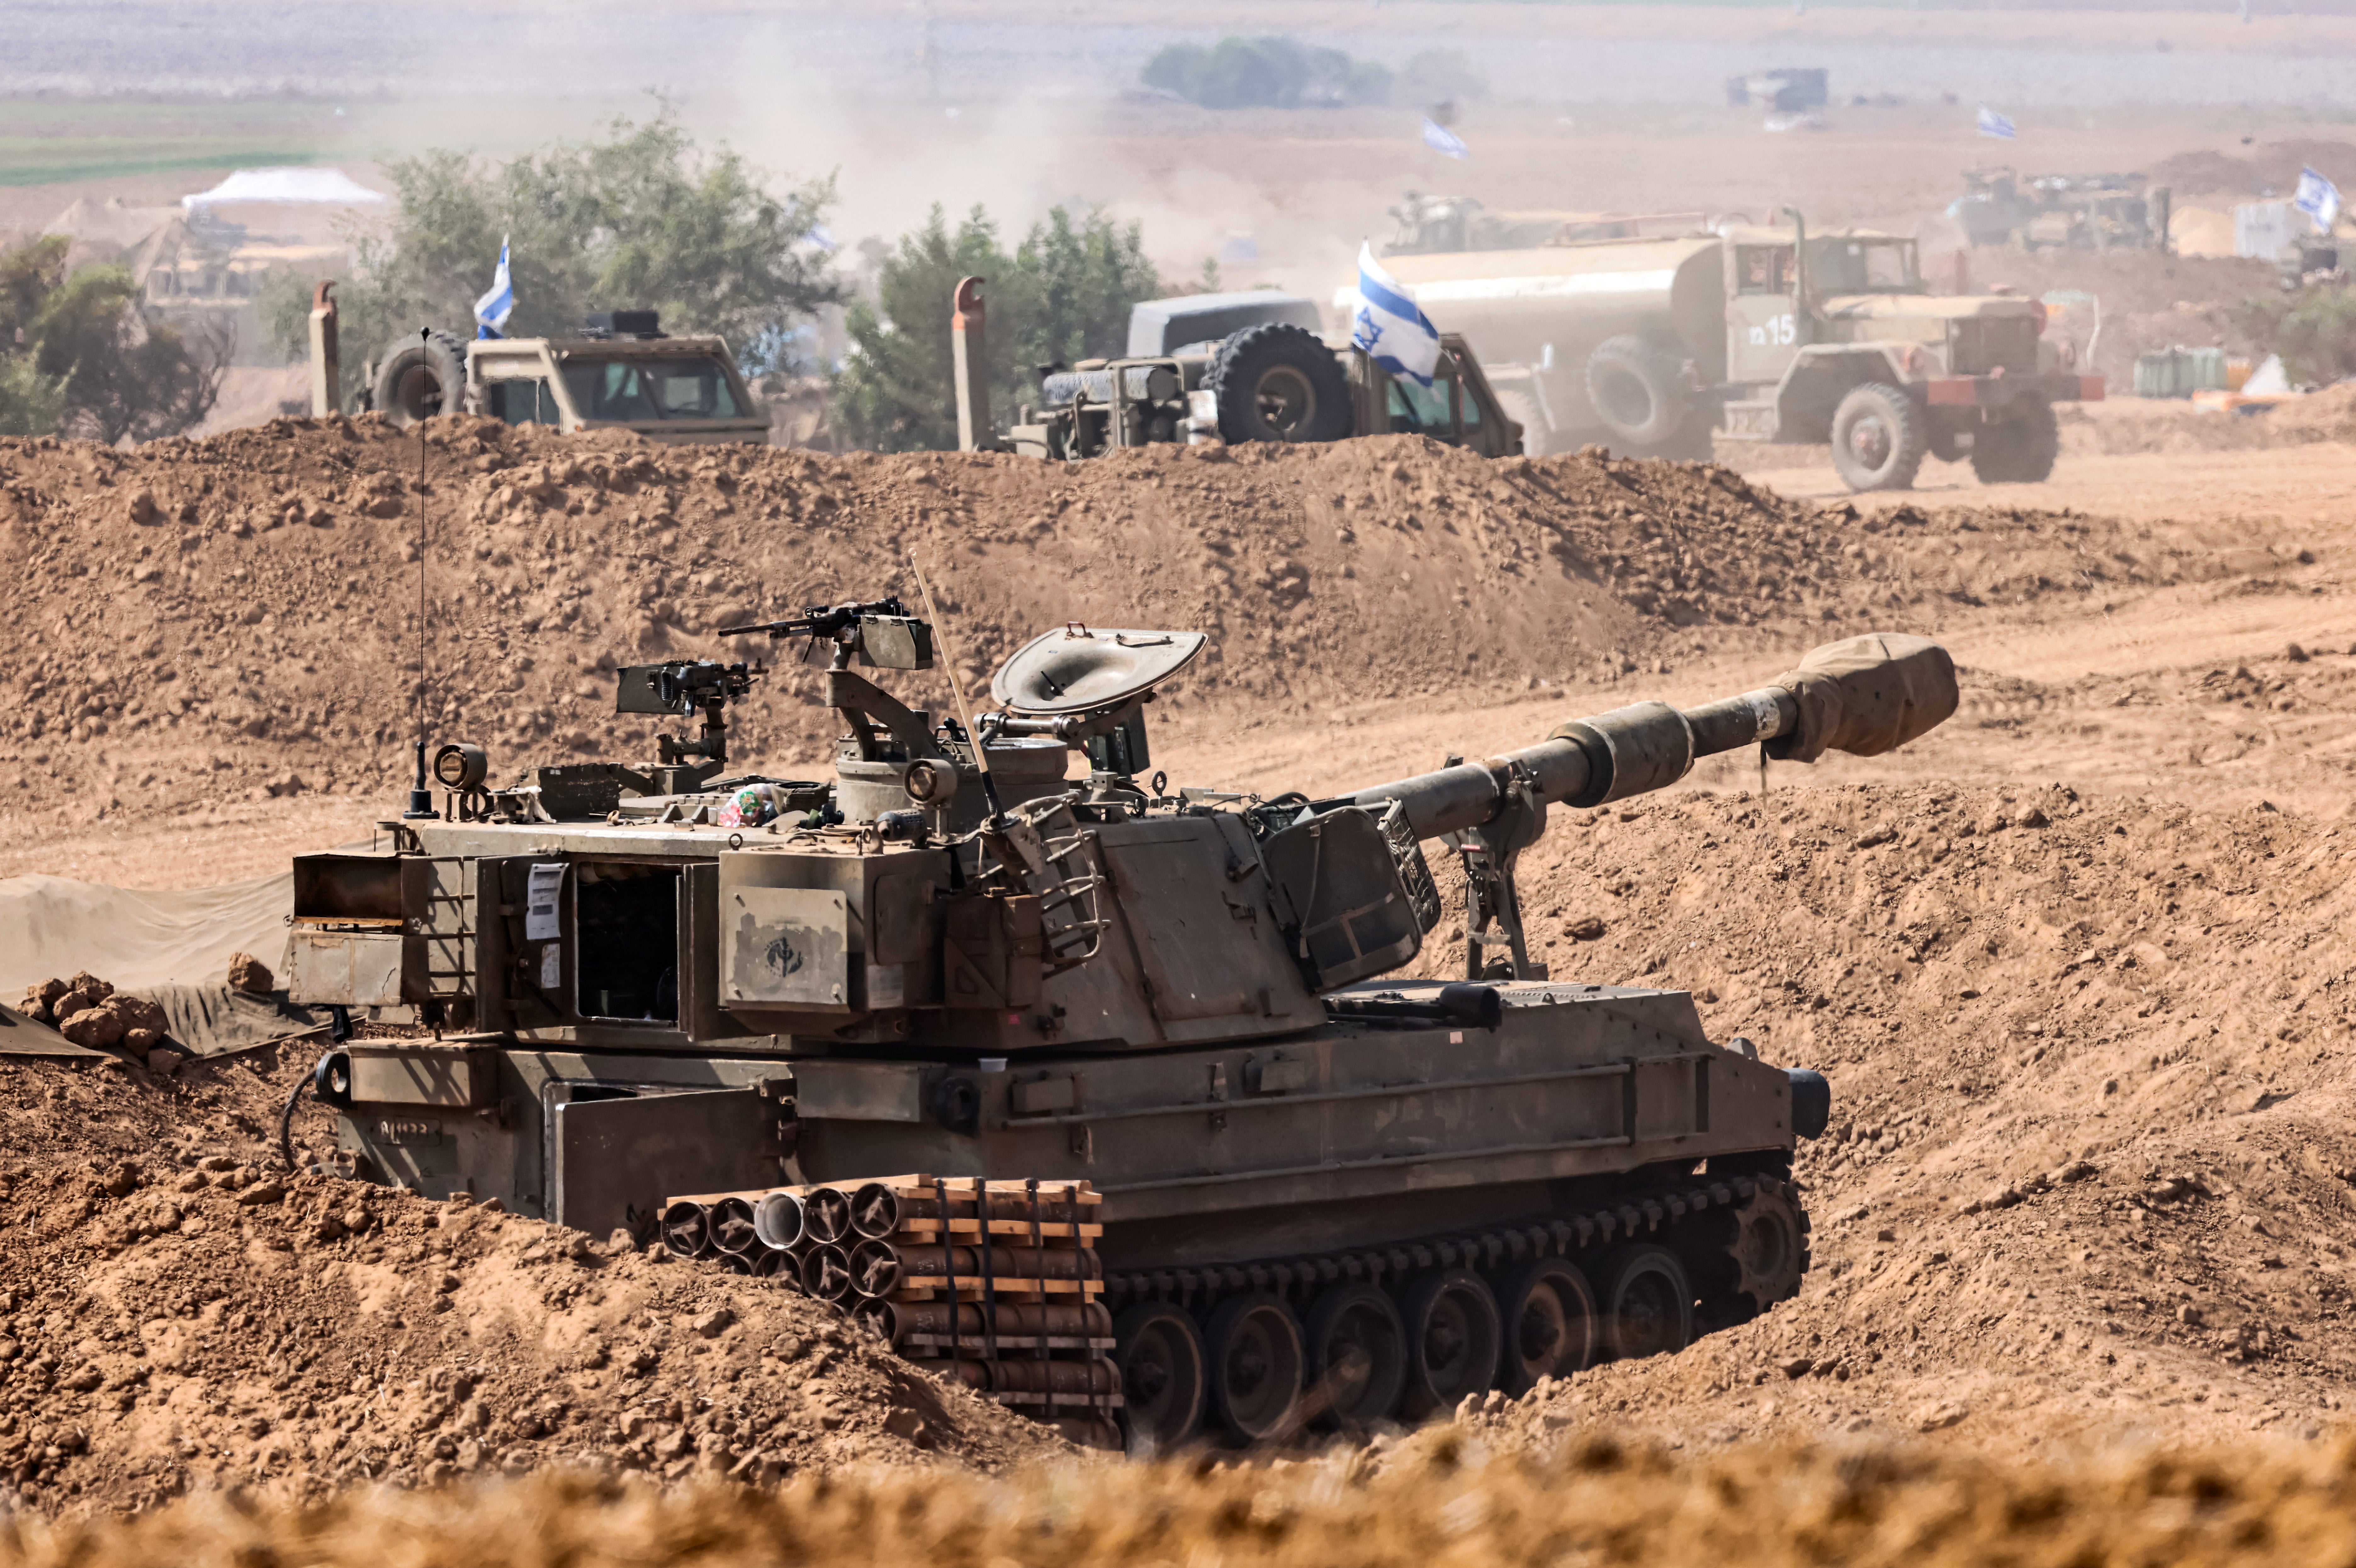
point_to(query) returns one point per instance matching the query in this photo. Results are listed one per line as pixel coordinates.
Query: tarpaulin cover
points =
(1866, 695)
(137, 938)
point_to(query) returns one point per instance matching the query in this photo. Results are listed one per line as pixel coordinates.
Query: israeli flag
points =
(491, 311)
(1442, 140)
(2319, 199)
(1994, 124)
(1388, 327)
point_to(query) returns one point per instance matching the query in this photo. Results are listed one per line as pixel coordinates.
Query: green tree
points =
(79, 356)
(1063, 294)
(1267, 73)
(2314, 330)
(641, 218)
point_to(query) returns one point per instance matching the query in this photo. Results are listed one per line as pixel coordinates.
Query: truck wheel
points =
(2020, 451)
(1523, 410)
(423, 379)
(1879, 439)
(1278, 383)
(1638, 390)
(1162, 1381)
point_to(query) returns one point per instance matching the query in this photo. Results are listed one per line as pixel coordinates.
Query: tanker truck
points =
(1126, 1106)
(1659, 347)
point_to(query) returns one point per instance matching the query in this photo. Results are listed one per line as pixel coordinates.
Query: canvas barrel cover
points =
(1866, 695)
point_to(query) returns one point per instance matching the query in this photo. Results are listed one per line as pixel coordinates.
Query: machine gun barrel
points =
(1865, 696)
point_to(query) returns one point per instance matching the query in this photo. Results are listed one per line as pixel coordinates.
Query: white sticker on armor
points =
(543, 889)
(551, 967)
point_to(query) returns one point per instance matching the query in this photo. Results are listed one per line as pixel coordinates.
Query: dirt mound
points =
(2153, 424)
(179, 1313)
(2273, 167)
(2091, 1157)
(234, 616)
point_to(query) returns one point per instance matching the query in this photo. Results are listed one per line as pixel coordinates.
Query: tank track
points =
(1634, 1216)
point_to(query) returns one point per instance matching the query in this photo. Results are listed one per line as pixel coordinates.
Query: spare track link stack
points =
(991, 1286)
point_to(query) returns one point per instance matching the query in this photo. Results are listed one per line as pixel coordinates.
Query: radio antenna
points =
(420, 799)
(956, 689)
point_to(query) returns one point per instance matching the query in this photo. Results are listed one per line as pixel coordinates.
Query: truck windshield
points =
(643, 389)
(1863, 266)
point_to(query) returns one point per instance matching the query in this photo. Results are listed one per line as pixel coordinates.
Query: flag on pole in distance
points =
(1388, 326)
(491, 311)
(1442, 140)
(2319, 199)
(1994, 124)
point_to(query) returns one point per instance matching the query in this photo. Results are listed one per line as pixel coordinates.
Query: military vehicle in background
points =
(1660, 347)
(1248, 366)
(620, 370)
(1432, 224)
(1093, 1093)
(2062, 211)
(1788, 89)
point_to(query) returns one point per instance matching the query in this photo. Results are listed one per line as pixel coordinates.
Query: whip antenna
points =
(956, 688)
(420, 799)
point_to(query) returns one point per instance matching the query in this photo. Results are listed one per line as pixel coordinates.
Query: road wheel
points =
(425, 378)
(1878, 438)
(2021, 450)
(1454, 1336)
(1279, 383)
(1256, 1359)
(1523, 410)
(1770, 1248)
(1163, 1385)
(1551, 1327)
(1638, 390)
(1646, 1303)
(1357, 1357)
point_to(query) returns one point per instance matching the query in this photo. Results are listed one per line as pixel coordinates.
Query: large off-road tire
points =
(1523, 410)
(1278, 383)
(422, 379)
(1879, 438)
(2021, 450)
(1638, 390)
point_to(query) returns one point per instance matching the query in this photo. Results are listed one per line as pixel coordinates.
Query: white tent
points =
(321, 185)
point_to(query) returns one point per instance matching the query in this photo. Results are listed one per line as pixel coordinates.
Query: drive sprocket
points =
(1771, 1245)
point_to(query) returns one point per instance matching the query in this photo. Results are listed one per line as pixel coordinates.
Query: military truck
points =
(620, 370)
(1657, 346)
(1428, 225)
(1103, 1097)
(1247, 366)
(2062, 211)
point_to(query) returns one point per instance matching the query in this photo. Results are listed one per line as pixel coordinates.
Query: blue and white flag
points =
(1442, 140)
(1388, 327)
(491, 311)
(1994, 124)
(2319, 199)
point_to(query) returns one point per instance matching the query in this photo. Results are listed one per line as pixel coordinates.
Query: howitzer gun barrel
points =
(1865, 696)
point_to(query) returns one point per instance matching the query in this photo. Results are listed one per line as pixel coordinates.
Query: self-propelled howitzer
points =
(1092, 1093)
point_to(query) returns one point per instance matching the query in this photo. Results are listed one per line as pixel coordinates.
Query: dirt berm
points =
(177, 1313)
